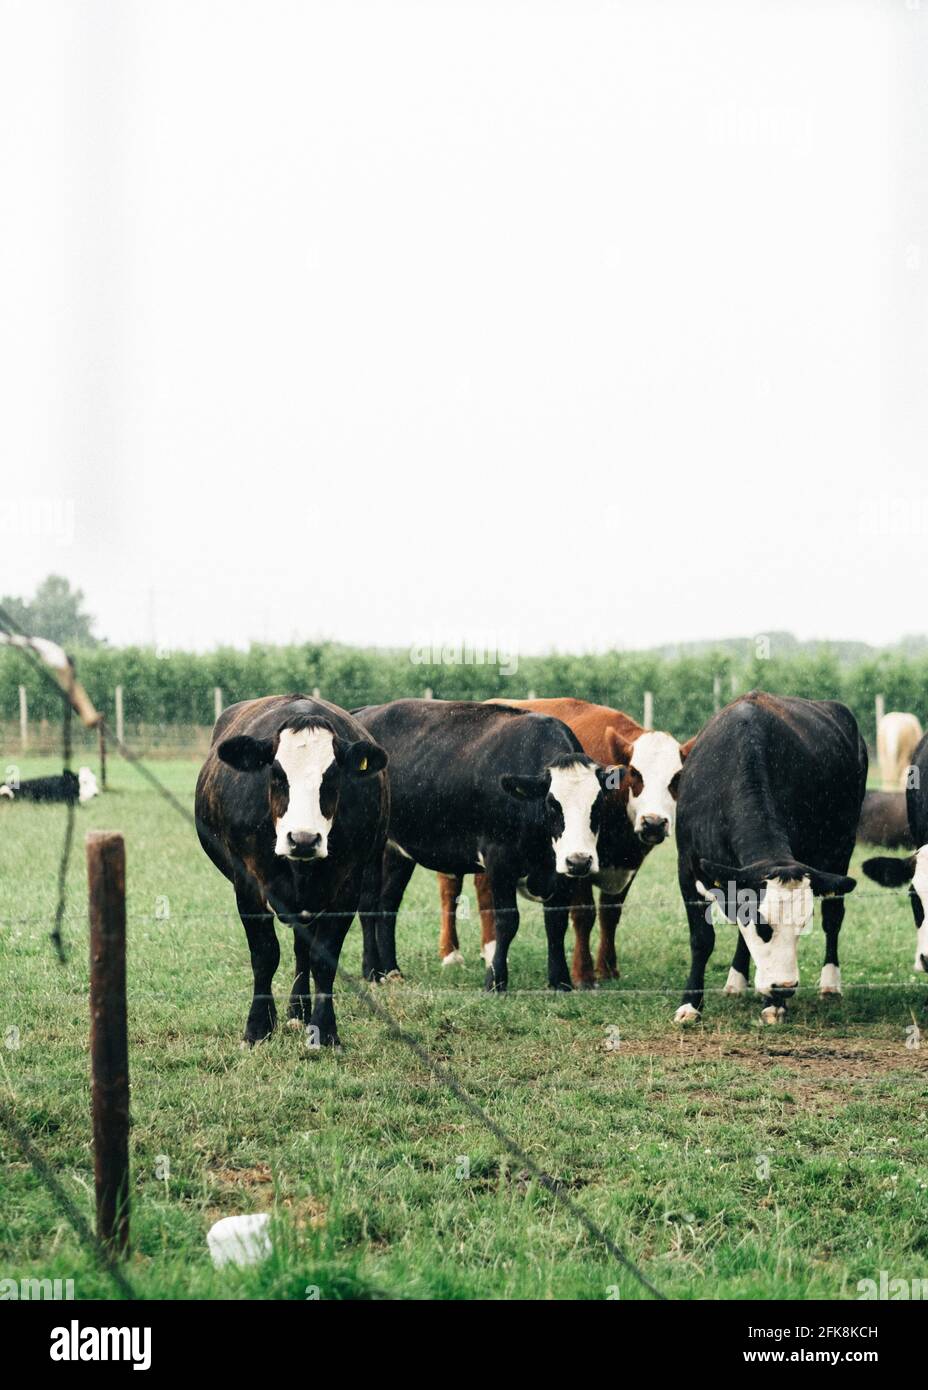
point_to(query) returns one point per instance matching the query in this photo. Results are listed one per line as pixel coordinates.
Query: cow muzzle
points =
(652, 830)
(305, 845)
(578, 865)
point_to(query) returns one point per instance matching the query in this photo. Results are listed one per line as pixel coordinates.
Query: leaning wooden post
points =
(109, 1045)
(101, 744)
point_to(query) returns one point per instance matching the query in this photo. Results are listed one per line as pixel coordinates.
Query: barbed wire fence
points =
(359, 988)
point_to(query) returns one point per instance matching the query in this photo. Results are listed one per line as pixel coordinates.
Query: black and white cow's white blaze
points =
(486, 787)
(767, 815)
(912, 870)
(292, 806)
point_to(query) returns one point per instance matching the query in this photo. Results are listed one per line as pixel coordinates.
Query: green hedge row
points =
(178, 688)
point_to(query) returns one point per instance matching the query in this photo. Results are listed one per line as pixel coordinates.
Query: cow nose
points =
(303, 844)
(579, 864)
(654, 829)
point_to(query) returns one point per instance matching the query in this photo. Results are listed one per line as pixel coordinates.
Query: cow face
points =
(308, 764)
(654, 761)
(772, 905)
(87, 783)
(895, 873)
(572, 791)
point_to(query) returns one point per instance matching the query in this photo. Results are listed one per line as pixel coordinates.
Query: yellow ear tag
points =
(362, 765)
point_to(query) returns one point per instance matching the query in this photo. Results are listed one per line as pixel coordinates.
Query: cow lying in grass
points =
(68, 787)
(291, 805)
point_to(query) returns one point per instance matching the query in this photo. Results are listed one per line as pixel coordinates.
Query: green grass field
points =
(731, 1161)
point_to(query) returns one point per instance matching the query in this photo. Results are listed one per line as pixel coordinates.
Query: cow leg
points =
(702, 944)
(832, 917)
(299, 1007)
(449, 890)
(325, 947)
(265, 958)
(369, 912)
(739, 974)
(502, 885)
(380, 926)
(582, 914)
(487, 917)
(556, 917)
(610, 914)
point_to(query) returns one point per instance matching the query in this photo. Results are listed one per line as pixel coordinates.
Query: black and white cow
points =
(292, 806)
(485, 787)
(767, 812)
(68, 787)
(913, 870)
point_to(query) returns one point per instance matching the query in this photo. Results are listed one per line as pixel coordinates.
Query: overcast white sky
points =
(578, 324)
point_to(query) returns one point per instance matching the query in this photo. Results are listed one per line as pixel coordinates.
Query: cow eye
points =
(674, 785)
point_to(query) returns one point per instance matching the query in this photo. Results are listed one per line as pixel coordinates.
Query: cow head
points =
(309, 764)
(571, 789)
(87, 784)
(896, 873)
(772, 903)
(655, 761)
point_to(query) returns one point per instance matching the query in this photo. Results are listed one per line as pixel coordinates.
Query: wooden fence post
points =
(316, 693)
(880, 710)
(23, 719)
(109, 1046)
(648, 720)
(120, 717)
(217, 702)
(427, 693)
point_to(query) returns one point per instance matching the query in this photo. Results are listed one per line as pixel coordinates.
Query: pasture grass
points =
(730, 1161)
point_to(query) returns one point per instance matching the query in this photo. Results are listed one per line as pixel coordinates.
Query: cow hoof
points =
(561, 986)
(392, 976)
(773, 1014)
(830, 981)
(686, 1014)
(608, 972)
(585, 982)
(736, 983)
(491, 984)
(452, 958)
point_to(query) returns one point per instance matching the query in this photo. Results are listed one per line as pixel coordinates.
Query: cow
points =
(884, 821)
(292, 806)
(637, 815)
(913, 870)
(68, 787)
(897, 737)
(767, 813)
(480, 787)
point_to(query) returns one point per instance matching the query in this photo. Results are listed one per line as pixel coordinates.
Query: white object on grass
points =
(240, 1240)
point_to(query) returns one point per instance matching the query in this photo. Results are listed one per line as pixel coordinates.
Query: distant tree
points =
(56, 611)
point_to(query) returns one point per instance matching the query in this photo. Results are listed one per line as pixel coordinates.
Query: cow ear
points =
(361, 758)
(612, 777)
(890, 872)
(830, 885)
(687, 748)
(526, 788)
(619, 748)
(717, 875)
(246, 754)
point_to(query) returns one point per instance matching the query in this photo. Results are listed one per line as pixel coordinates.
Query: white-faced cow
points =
(897, 737)
(292, 806)
(637, 814)
(66, 786)
(913, 870)
(479, 787)
(767, 815)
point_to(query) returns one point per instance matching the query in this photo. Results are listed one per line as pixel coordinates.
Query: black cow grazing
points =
(884, 821)
(292, 806)
(487, 787)
(68, 787)
(913, 870)
(767, 814)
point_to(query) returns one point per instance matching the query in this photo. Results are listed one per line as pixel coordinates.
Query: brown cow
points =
(637, 815)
